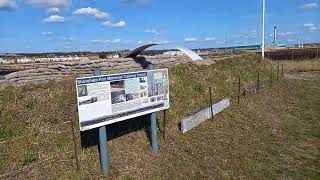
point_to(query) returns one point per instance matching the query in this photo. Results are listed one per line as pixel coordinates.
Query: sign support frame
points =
(153, 122)
(103, 141)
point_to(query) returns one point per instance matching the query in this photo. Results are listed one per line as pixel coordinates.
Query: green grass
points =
(6, 133)
(2, 162)
(29, 157)
(44, 119)
(30, 103)
(62, 141)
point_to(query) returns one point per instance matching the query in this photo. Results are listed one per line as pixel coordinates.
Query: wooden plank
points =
(196, 119)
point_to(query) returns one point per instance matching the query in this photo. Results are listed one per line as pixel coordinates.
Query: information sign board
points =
(107, 99)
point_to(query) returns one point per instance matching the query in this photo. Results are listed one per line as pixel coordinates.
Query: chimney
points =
(274, 35)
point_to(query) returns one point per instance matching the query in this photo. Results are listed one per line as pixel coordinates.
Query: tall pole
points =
(263, 14)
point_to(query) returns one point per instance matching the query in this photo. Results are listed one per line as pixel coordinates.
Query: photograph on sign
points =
(107, 99)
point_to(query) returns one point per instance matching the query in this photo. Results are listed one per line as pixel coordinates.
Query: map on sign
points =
(107, 99)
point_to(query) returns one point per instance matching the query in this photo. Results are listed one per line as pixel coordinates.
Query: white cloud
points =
(89, 11)
(67, 43)
(190, 39)
(238, 41)
(49, 3)
(284, 34)
(309, 6)
(108, 24)
(54, 10)
(308, 25)
(7, 5)
(115, 41)
(210, 39)
(67, 47)
(155, 42)
(135, 1)
(313, 29)
(47, 33)
(54, 19)
(152, 31)
(98, 41)
(68, 39)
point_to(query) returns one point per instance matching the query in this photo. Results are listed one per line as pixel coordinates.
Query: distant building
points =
(114, 55)
(173, 53)
(93, 56)
(6, 61)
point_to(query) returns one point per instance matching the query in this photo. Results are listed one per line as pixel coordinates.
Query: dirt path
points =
(307, 76)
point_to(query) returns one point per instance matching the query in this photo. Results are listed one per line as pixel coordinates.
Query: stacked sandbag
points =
(63, 70)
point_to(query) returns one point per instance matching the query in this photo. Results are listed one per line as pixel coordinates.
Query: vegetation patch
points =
(29, 157)
(6, 133)
(30, 103)
(61, 142)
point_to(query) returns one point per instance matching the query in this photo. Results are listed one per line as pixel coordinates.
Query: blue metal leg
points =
(154, 136)
(103, 144)
(104, 150)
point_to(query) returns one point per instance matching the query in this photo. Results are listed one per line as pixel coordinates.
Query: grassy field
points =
(300, 66)
(274, 135)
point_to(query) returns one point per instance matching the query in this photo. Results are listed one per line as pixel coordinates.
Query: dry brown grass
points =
(247, 141)
(300, 66)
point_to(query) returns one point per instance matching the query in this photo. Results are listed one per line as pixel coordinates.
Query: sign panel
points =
(107, 99)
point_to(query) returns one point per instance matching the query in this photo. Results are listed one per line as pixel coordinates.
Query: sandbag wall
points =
(63, 70)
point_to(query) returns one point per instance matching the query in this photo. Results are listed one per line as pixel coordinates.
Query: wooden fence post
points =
(75, 147)
(292, 55)
(278, 72)
(270, 76)
(239, 89)
(164, 124)
(258, 88)
(211, 103)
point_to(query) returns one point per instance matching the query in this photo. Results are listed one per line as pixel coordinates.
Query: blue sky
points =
(103, 25)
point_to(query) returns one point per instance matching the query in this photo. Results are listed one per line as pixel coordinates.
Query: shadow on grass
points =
(91, 137)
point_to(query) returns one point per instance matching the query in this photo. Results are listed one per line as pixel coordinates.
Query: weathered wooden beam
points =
(196, 119)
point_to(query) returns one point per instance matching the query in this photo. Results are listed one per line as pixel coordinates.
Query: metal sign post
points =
(103, 145)
(153, 119)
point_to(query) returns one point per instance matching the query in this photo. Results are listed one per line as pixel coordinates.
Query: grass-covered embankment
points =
(272, 135)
